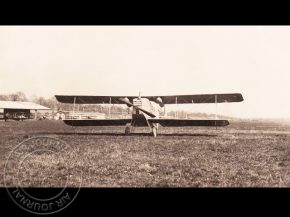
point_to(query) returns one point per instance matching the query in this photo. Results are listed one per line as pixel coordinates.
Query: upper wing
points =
(179, 99)
(92, 99)
(189, 122)
(201, 98)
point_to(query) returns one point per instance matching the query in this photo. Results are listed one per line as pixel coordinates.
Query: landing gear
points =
(127, 129)
(154, 129)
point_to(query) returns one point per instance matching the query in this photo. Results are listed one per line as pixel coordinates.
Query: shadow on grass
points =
(123, 135)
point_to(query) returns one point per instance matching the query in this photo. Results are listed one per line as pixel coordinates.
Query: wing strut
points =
(74, 109)
(176, 107)
(215, 98)
(74, 106)
(110, 107)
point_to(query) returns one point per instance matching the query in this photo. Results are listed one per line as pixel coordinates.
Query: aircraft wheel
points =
(127, 130)
(154, 131)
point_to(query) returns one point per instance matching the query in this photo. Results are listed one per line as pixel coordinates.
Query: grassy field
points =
(243, 154)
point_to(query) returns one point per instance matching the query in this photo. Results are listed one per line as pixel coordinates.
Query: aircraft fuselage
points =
(139, 118)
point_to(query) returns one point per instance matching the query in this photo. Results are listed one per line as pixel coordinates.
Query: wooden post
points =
(35, 118)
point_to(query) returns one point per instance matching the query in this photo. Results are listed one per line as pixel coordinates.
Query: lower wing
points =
(189, 122)
(97, 122)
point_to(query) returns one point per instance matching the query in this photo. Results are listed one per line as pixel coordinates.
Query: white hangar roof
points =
(21, 105)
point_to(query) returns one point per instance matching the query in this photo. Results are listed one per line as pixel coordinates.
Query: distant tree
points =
(50, 102)
(21, 96)
(18, 96)
(12, 97)
(4, 97)
(41, 100)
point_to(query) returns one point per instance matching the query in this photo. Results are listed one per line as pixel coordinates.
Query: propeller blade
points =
(146, 112)
(126, 101)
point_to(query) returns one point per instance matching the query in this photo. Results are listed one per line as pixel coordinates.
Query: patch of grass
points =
(244, 154)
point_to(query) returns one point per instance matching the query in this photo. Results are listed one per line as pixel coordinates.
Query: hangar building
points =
(19, 110)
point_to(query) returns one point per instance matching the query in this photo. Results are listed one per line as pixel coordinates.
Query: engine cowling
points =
(159, 101)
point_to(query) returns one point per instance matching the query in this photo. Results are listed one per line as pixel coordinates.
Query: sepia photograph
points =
(142, 107)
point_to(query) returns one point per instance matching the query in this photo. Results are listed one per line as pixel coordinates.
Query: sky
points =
(156, 60)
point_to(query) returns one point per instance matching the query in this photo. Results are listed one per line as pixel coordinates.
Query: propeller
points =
(131, 104)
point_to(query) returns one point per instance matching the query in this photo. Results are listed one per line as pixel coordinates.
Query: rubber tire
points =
(127, 130)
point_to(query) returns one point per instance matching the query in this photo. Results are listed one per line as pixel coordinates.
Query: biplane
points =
(146, 110)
